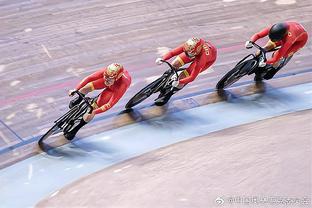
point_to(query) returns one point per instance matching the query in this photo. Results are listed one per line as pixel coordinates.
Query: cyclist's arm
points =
(280, 53)
(260, 34)
(114, 99)
(173, 53)
(96, 75)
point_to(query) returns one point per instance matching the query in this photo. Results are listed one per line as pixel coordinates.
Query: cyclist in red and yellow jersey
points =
(200, 53)
(290, 36)
(114, 80)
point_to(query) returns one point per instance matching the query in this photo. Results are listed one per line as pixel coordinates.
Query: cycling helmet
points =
(278, 32)
(193, 46)
(114, 71)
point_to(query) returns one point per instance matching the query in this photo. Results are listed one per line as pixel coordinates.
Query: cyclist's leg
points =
(165, 94)
(298, 44)
(103, 98)
(77, 124)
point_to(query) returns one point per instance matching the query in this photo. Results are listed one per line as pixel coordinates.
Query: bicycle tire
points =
(58, 126)
(51, 131)
(144, 93)
(236, 73)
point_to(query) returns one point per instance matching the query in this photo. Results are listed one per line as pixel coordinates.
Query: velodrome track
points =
(48, 46)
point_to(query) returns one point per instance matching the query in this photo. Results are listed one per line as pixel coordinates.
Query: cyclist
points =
(200, 53)
(114, 79)
(290, 36)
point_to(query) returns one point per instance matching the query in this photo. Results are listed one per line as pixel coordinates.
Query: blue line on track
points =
(11, 130)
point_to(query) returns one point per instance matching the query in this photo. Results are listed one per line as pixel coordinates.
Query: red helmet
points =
(112, 73)
(193, 46)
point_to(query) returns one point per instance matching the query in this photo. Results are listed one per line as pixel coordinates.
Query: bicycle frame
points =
(261, 57)
(85, 99)
(172, 71)
(161, 84)
(75, 109)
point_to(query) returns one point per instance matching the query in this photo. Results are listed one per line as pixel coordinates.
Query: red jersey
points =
(111, 94)
(202, 61)
(296, 33)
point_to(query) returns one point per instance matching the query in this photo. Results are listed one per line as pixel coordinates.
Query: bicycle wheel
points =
(53, 130)
(144, 93)
(59, 124)
(236, 73)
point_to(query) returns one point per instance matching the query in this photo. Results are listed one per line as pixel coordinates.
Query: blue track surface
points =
(27, 182)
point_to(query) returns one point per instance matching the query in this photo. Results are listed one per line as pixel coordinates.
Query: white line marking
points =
(2, 68)
(117, 171)
(54, 194)
(285, 2)
(30, 171)
(10, 116)
(127, 166)
(236, 27)
(183, 199)
(31, 107)
(39, 113)
(123, 168)
(105, 138)
(28, 30)
(14, 83)
(46, 51)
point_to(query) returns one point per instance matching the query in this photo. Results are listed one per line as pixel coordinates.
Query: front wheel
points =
(144, 93)
(236, 73)
(55, 129)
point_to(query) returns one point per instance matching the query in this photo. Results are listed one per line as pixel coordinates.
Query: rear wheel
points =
(236, 73)
(144, 93)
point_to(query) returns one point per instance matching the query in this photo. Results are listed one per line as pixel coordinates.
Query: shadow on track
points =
(262, 96)
(167, 118)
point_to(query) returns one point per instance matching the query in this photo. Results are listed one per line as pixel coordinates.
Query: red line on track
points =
(72, 83)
